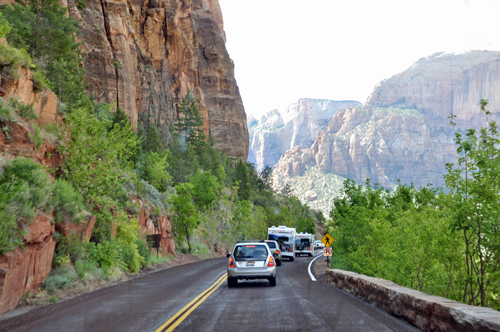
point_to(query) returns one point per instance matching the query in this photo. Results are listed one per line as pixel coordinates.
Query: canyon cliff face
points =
(402, 132)
(145, 55)
(442, 84)
(296, 125)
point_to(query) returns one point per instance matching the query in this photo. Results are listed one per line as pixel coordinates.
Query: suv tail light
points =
(277, 251)
(271, 262)
(231, 264)
(308, 248)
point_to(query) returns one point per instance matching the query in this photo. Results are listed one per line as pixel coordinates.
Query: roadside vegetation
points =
(211, 199)
(443, 241)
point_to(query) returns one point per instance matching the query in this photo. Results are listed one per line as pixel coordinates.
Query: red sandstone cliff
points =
(145, 55)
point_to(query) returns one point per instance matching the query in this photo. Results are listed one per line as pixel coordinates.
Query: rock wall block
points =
(427, 312)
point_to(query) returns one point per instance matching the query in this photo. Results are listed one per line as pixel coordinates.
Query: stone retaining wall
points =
(427, 312)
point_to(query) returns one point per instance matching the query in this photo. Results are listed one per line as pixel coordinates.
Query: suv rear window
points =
(271, 245)
(251, 252)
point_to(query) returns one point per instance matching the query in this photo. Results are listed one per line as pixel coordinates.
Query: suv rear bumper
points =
(256, 274)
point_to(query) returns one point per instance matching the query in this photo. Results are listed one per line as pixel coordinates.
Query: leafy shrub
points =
(144, 249)
(39, 80)
(131, 257)
(106, 254)
(68, 202)
(59, 278)
(153, 169)
(127, 235)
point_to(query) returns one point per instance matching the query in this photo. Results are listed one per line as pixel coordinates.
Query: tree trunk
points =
(187, 237)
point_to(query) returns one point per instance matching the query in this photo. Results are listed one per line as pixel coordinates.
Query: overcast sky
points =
(285, 50)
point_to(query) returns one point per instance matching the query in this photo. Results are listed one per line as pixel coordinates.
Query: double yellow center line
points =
(176, 319)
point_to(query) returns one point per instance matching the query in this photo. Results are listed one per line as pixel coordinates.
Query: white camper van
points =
(304, 244)
(285, 236)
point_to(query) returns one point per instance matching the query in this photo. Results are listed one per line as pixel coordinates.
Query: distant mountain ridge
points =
(298, 124)
(402, 131)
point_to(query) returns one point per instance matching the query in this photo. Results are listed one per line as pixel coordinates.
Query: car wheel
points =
(231, 282)
(309, 255)
(272, 281)
(278, 262)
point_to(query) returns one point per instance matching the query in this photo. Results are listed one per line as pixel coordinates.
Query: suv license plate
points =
(250, 263)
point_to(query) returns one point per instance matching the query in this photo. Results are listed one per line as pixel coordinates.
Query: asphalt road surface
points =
(195, 297)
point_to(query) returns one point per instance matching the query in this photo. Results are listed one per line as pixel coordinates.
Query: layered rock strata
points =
(427, 312)
(296, 125)
(403, 132)
(145, 56)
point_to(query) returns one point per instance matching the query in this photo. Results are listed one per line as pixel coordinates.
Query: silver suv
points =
(251, 260)
(276, 250)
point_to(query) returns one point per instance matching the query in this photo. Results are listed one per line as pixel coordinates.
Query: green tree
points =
(183, 162)
(206, 190)
(152, 143)
(241, 175)
(153, 169)
(474, 184)
(186, 218)
(4, 27)
(189, 124)
(96, 159)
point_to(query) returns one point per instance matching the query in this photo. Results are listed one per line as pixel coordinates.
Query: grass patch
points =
(25, 111)
(155, 260)
(60, 278)
(36, 138)
(7, 112)
(13, 58)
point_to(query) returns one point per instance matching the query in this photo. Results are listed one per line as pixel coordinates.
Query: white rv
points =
(285, 236)
(304, 244)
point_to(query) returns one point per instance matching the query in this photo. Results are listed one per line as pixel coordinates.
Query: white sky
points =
(285, 50)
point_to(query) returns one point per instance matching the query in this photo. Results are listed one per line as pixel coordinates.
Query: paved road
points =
(296, 304)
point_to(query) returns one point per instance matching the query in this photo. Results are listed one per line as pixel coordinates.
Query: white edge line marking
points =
(309, 268)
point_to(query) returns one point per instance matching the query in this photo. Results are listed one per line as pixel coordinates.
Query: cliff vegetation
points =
(81, 189)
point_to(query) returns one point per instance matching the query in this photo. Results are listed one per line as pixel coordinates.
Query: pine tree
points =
(152, 142)
(190, 122)
(241, 174)
(119, 117)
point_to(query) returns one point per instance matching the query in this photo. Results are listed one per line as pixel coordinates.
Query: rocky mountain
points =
(145, 55)
(297, 124)
(402, 131)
